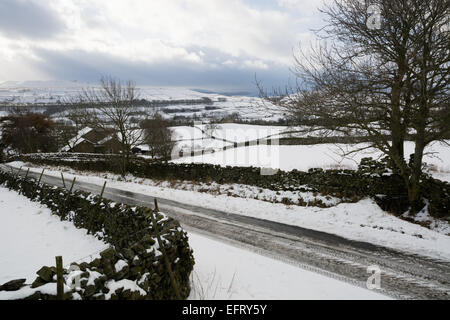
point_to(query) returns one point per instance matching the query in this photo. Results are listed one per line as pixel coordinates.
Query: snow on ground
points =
(363, 220)
(287, 157)
(441, 175)
(186, 133)
(25, 292)
(200, 144)
(304, 157)
(241, 190)
(52, 92)
(222, 271)
(244, 132)
(192, 137)
(424, 216)
(31, 237)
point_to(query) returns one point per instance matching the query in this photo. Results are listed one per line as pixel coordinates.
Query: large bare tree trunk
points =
(414, 192)
(397, 129)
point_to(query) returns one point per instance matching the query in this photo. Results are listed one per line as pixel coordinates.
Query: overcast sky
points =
(195, 43)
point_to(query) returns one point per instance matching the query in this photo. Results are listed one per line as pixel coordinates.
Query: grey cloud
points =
(25, 18)
(88, 66)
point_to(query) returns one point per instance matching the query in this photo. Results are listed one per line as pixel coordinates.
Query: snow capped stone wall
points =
(132, 268)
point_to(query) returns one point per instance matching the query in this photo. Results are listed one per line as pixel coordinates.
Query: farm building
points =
(90, 140)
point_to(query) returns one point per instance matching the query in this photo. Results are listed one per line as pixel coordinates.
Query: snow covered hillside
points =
(55, 92)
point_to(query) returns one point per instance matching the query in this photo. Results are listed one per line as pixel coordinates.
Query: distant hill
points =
(228, 93)
(41, 84)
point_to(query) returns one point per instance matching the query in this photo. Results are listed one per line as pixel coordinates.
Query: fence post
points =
(166, 259)
(64, 182)
(28, 171)
(73, 182)
(103, 190)
(39, 181)
(17, 176)
(40, 177)
(18, 172)
(59, 278)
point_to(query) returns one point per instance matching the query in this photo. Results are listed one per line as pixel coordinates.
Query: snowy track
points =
(402, 275)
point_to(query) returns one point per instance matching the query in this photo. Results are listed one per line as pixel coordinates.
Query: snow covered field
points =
(53, 92)
(304, 157)
(31, 237)
(287, 157)
(363, 221)
(237, 132)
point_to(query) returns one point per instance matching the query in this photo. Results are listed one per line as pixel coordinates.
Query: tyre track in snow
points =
(403, 275)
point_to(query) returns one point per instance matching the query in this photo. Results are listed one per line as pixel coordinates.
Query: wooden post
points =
(59, 278)
(28, 171)
(166, 259)
(73, 182)
(40, 177)
(39, 181)
(18, 172)
(103, 190)
(64, 182)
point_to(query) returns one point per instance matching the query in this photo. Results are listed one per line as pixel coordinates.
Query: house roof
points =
(89, 135)
(76, 140)
(97, 135)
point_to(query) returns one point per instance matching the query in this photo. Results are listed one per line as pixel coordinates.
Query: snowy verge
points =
(220, 274)
(32, 236)
(362, 221)
(132, 257)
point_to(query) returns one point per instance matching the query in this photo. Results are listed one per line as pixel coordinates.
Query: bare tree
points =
(158, 136)
(70, 131)
(211, 128)
(386, 79)
(112, 106)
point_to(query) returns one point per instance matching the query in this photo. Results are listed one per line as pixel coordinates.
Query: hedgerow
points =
(372, 179)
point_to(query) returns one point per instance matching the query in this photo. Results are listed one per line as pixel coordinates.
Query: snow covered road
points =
(223, 272)
(32, 236)
(403, 275)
